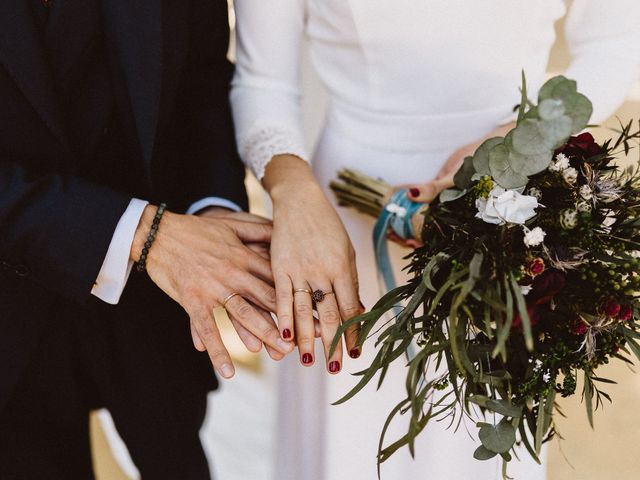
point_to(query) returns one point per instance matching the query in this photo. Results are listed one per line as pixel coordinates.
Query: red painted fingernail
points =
(334, 367)
(354, 352)
(414, 192)
(307, 359)
(286, 333)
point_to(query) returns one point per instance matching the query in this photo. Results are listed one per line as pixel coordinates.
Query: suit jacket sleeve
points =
(55, 229)
(210, 164)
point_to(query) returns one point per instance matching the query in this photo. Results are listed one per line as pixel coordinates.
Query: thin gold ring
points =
(302, 290)
(226, 300)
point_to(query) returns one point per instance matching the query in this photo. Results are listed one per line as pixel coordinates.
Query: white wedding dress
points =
(410, 81)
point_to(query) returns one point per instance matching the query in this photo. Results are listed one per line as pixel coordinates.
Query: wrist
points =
(287, 174)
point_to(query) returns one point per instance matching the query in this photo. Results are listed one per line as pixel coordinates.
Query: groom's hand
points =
(199, 262)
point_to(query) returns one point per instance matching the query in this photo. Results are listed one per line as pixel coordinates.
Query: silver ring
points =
(226, 300)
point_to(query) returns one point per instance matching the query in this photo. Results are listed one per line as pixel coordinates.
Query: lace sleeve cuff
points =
(262, 144)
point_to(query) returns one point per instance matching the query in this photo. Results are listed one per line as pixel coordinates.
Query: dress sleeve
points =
(604, 43)
(266, 89)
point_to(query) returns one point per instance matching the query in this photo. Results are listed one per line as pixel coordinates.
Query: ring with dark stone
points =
(318, 296)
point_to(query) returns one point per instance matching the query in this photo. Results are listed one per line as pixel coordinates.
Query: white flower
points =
(569, 219)
(583, 207)
(561, 163)
(586, 193)
(546, 377)
(570, 175)
(525, 289)
(506, 206)
(533, 238)
(562, 160)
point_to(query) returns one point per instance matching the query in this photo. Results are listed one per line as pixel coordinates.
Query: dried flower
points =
(534, 237)
(569, 219)
(585, 192)
(570, 175)
(611, 308)
(536, 267)
(561, 163)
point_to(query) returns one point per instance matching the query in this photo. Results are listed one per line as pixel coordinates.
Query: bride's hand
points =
(428, 192)
(310, 251)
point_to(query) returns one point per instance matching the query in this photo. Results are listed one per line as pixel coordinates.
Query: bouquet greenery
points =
(527, 279)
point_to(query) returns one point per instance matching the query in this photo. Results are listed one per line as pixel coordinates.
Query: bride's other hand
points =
(310, 251)
(428, 192)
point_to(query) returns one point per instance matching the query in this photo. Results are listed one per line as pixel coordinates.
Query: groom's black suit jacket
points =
(103, 101)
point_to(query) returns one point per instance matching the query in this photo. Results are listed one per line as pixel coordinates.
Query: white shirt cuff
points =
(117, 266)
(212, 202)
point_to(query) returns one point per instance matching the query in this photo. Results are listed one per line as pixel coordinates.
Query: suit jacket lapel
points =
(134, 32)
(70, 30)
(22, 54)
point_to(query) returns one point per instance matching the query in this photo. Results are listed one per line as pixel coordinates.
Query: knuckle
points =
(218, 355)
(303, 309)
(206, 332)
(243, 310)
(331, 317)
(283, 296)
(268, 332)
(270, 295)
(351, 311)
(306, 341)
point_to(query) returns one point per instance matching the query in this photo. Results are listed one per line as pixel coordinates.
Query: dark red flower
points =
(581, 328)
(612, 308)
(546, 286)
(583, 145)
(534, 316)
(536, 267)
(626, 313)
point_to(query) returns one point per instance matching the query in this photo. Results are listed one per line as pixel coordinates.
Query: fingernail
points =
(354, 352)
(414, 192)
(227, 370)
(307, 359)
(285, 347)
(286, 333)
(334, 367)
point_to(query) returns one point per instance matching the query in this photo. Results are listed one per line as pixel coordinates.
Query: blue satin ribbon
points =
(396, 215)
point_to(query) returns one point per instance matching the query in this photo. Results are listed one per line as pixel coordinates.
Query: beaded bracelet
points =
(141, 266)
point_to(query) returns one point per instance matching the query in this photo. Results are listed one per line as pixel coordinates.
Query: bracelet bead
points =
(141, 265)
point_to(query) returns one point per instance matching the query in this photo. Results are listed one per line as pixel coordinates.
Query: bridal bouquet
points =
(527, 280)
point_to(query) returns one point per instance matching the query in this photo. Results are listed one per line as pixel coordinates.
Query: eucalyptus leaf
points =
(546, 90)
(580, 113)
(498, 438)
(451, 194)
(529, 164)
(481, 157)
(501, 169)
(550, 109)
(482, 453)
(504, 408)
(534, 137)
(462, 178)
